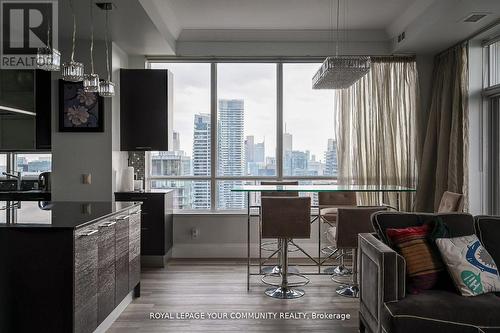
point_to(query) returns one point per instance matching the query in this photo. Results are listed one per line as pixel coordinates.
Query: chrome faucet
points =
(17, 176)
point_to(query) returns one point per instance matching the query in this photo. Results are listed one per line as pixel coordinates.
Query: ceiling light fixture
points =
(91, 81)
(106, 87)
(72, 71)
(48, 58)
(340, 72)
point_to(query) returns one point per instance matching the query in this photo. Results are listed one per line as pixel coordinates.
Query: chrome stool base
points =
(351, 291)
(284, 293)
(341, 270)
(277, 269)
(302, 280)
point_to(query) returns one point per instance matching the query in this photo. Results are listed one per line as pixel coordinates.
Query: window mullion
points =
(213, 135)
(279, 120)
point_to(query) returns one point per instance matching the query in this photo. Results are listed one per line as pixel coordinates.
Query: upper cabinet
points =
(145, 109)
(25, 110)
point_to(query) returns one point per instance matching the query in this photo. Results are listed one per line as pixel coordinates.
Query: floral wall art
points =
(79, 111)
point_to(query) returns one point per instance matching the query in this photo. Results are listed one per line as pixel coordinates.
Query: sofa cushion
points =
(488, 232)
(423, 265)
(442, 311)
(459, 224)
(473, 270)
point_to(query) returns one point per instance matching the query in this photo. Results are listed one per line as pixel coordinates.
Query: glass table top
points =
(323, 188)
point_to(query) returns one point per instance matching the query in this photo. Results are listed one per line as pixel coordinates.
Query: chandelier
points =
(48, 58)
(106, 87)
(72, 71)
(340, 72)
(91, 81)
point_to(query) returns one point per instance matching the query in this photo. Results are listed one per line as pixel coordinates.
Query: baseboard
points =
(106, 324)
(156, 261)
(231, 250)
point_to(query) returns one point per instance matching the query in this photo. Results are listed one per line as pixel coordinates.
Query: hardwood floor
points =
(220, 287)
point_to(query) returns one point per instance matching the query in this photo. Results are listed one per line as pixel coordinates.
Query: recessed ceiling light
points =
(474, 17)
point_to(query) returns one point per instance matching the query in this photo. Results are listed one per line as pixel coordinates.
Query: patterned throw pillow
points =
(470, 265)
(423, 265)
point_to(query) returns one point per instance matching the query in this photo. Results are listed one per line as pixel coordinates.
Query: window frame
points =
(213, 178)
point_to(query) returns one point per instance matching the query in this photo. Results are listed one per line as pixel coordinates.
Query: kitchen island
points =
(67, 265)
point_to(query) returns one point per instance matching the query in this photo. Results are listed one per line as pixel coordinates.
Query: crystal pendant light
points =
(106, 87)
(72, 71)
(48, 58)
(91, 81)
(340, 72)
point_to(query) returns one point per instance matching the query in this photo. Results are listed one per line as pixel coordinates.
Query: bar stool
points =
(350, 223)
(328, 204)
(273, 246)
(285, 218)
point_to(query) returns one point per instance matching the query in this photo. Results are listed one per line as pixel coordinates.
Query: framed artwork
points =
(79, 111)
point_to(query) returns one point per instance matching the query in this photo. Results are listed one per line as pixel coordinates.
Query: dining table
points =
(304, 190)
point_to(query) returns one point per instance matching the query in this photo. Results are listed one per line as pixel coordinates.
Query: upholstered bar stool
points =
(451, 202)
(273, 246)
(285, 218)
(329, 203)
(350, 223)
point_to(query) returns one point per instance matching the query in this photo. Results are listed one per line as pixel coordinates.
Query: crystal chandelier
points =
(340, 72)
(91, 81)
(72, 71)
(106, 87)
(48, 58)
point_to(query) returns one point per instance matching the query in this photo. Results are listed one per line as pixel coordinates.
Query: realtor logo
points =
(26, 26)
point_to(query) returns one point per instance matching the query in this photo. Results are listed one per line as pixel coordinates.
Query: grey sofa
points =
(384, 304)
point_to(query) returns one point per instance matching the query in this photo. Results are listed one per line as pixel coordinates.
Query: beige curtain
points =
(443, 165)
(375, 129)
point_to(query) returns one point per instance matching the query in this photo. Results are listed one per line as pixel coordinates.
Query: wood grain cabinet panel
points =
(134, 248)
(85, 279)
(106, 273)
(122, 254)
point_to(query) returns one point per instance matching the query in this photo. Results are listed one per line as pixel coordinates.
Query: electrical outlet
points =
(195, 233)
(87, 178)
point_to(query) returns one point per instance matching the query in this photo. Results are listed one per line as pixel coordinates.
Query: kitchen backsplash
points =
(137, 160)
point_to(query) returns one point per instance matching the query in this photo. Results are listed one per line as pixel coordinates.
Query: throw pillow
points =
(423, 265)
(473, 270)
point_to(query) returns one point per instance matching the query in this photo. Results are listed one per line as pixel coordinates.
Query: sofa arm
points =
(381, 278)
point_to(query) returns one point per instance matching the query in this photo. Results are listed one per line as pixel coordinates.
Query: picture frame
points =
(79, 111)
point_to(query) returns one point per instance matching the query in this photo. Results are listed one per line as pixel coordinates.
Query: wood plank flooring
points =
(220, 286)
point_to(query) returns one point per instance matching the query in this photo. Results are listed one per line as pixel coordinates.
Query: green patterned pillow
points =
(470, 265)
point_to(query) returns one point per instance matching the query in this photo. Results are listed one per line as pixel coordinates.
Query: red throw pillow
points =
(423, 265)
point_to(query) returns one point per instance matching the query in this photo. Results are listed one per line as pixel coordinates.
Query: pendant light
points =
(340, 72)
(48, 58)
(106, 87)
(72, 71)
(91, 81)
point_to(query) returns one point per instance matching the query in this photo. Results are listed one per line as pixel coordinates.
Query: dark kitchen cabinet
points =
(145, 109)
(25, 110)
(106, 272)
(156, 225)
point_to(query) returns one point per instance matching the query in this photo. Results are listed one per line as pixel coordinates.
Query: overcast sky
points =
(308, 114)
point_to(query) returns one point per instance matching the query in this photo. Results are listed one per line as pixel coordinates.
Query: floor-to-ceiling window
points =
(241, 122)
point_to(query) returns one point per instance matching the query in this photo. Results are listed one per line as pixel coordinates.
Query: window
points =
(3, 163)
(245, 100)
(494, 63)
(308, 145)
(33, 164)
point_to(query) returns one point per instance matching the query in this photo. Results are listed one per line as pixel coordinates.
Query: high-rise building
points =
(287, 153)
(176, 141)
(259, 152)
(231, 151)
(201, 160)
(331, 158)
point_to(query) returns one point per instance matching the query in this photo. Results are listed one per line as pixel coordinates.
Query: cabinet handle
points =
(138, 199)
(91, 232)
(123, 217)
(136, 212)
(143, 148)
(144, 228)
(108, 224)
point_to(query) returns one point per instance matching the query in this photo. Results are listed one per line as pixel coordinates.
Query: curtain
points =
(443, 165)
(375, 129)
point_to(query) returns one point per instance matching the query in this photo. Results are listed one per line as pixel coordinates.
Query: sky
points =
(308, 114)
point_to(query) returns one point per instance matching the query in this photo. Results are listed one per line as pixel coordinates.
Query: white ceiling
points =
(281, 27)
(284, 14)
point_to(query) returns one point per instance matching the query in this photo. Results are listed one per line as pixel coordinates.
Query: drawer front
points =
(106, 277)
(134, 248)
(85, 279)
(122, 248)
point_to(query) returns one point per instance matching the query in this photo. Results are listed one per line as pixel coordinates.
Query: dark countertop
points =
(66, 215)
(33, 195)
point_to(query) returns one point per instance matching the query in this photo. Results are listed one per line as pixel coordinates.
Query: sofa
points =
(385, 305)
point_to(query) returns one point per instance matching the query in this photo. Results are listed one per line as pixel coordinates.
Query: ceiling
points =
(281, 27)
